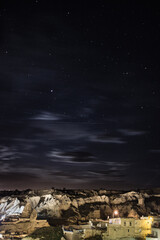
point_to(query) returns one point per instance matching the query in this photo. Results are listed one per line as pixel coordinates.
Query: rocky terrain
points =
(61, 206)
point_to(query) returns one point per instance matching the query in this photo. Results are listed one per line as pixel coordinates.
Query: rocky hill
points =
(59, 206)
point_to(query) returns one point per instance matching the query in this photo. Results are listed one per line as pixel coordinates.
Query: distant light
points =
(115, 212)
(51, 90)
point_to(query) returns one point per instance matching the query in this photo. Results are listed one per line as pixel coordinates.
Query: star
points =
(68, 13)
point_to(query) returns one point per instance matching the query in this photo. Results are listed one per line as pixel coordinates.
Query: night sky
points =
(79, 94)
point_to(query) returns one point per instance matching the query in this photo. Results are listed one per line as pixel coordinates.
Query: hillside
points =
(61, 206)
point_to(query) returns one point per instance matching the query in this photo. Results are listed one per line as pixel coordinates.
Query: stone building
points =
(79, 232)
(155, 235)
(119, 228)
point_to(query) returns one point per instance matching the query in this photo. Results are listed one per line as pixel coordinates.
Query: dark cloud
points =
(72, 157)
(80, 156)
(8, 153)
(129, 132)
(107, 139)
(113, 173)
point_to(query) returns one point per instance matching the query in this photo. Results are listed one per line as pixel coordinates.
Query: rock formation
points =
(17, 220)
(78, 205)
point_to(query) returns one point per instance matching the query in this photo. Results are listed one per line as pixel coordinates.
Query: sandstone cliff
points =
(78, 205)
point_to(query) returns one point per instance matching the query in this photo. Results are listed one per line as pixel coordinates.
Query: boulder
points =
(33, 216)
(27, 211)
(133, 214)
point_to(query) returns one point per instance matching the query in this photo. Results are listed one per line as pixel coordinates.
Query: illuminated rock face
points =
(128, 197)
(10, 206)
(21, 226)
(79, 204)
(18, 218)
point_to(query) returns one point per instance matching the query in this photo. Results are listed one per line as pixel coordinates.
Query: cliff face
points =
(78, 205)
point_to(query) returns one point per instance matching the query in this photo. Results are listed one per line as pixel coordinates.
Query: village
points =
(116, 228)
(147, 228)
(23, 220)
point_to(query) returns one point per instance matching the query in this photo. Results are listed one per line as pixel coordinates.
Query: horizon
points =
(82, 189)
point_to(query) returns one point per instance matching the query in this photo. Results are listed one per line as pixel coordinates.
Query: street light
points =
(115, 213)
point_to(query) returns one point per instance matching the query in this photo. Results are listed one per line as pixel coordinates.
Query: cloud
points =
(60, 131)
(72, 157)
(107, 173)
(80, 156)
(117, 164)
(56, 155)
(129, 132)
(48, 116)
(106, 139)
(5, 167)
(8, 153)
